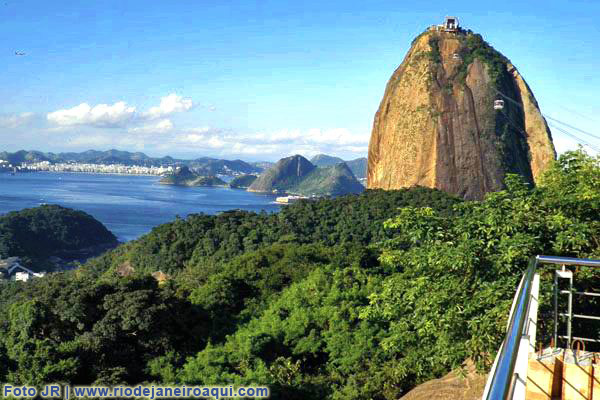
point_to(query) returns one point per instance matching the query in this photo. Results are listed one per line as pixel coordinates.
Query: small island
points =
(184, 177)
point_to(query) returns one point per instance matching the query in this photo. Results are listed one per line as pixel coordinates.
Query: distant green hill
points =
(297, 175)
(323, 160)
(285, 174)
(50, 230)
(184, 177)
(358, 166)
(335, 180)
(242, 182)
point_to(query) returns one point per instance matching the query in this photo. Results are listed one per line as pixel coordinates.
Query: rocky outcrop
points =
(437, 127)
(465, 384)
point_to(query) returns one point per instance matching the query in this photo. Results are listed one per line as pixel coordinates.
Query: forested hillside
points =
(51, 230)
(357, 297)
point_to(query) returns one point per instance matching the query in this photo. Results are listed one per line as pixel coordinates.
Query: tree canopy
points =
(349, 298)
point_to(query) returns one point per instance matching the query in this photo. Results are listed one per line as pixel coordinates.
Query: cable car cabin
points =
(455, 56)
(498, 104)
(451, 24)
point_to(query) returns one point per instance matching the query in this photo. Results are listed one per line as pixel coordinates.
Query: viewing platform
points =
(564, 369)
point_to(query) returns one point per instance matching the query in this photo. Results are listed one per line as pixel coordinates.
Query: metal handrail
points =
(501, 378)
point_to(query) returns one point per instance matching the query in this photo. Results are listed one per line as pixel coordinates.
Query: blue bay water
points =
(128, 205)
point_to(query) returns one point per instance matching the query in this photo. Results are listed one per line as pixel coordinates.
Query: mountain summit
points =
(456, 115)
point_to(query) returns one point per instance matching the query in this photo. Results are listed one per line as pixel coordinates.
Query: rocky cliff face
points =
(437, 127)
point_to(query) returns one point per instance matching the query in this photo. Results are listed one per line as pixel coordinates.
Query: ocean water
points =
(128, 205)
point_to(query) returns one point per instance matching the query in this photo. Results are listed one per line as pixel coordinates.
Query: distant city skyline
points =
(260, 80)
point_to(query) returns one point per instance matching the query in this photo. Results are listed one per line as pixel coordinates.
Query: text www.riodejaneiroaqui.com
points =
(151, 392)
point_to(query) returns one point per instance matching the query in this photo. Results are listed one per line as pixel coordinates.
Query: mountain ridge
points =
(202, 165)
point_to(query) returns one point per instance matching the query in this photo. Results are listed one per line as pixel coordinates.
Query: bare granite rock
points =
(437, 127)
(460, 384)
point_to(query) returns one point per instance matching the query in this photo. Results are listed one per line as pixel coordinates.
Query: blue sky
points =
(258, 80)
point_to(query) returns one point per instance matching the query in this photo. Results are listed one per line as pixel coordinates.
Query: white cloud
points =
(162, 126)
(168, 105)
(203, 140)
(16, 120)
(121, 115)
(101, 115)
(336, 136)
(279, 143)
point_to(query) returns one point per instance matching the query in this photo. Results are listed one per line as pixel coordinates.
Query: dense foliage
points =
(201, 240)
(40, 232)
(350, 298)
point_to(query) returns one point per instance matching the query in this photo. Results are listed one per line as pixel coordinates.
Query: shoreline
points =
(78, 172)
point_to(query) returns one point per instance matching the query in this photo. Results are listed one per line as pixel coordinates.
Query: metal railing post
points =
(570, 317)
(555, 287)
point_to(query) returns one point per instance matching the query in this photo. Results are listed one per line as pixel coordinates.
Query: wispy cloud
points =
(162, 126)
(16, 120)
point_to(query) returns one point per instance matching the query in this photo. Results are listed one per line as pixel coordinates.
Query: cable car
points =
(456, 56)
(498, 104)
